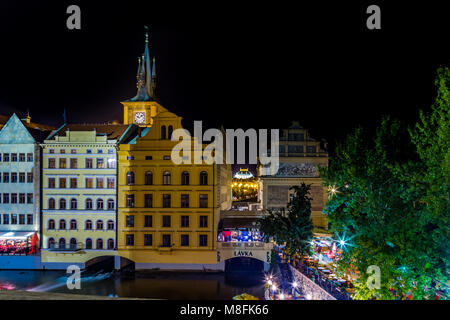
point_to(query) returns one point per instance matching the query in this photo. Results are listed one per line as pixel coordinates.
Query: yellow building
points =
(300, 155)
(79, 188)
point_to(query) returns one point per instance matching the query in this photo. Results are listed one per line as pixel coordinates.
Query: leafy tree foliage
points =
(389, 200)
(294, 227)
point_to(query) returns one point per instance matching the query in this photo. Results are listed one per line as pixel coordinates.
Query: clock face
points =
(139, 117)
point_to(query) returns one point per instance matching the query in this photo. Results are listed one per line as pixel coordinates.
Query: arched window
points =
(73, 224)
(88, 203)
(62, 243)
(203, 178)
(148, 178)
(100, 244)
(99, 204)
(99, 225)
(51, 242)
(110, 204)
(88, 225)
(185, 178)
(62, 224)
(88, 243)
(73, 243)
(110, 225)
(73, 203)
(62, 204)
(110, 244)
(51, 204)
(166, 177)
(163, 132)
(170, 132)
(130, 178)
(51, 224)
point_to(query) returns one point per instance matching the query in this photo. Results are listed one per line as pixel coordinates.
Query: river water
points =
(157, 285)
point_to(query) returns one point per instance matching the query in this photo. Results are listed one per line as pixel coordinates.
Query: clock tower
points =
(143, 107)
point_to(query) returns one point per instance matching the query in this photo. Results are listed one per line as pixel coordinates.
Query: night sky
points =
(257, 65)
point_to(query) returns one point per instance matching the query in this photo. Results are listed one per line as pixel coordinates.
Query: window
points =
(62, 151)
(163, 132)
(166, 177)
(110, 163)
(88, 151)
(6, 198)
(148, 221)
(6, 157)
(99, 243)
(21, 177)
(29, 219)
(295, 149)
(21, 197)
(73, 163)
(29, 198)
(73, 224)
(99, 183)
(62, 224)
(148, 178)
(21, 219)
(51, 183)
(310, 149)
(73, 183)
(166, 200)
(14, 219)
(73, 151)
(51, 151)
(14, 177)
(62, 243)
(99, 204)
(130, 178)
(89, 183)
(51, 243)
(88, 243)
(62, 183)
(99, 151)
(5, 177)
(166, 240)
(110, 204)
(110, 150)
(185, 201)
(148, 240)
(73, 243)
(130, 221)
(184, 240)
(13, 197)
(51, 224)
(130, 240)
(169, 133)
(185, 178)
(148, 200)
(130, 157)
(110, 183)
(5, 218)
(110, 244)
(99, 225)
(88, 225)
(148, 157)
(203, 221)
(110, 225)
(282, 149)
(166, 221)
(88, 203)
(21, 157)
(51, 163)
(29, 157)
(73, 203)
(130, 200)
(100, 163)
(30, 177)
(62, 163)
(51, 204)
(203, 240)
(203, 178)
(203, 201)
(13, 157)
(185, 221)
(166, 157)
(88, 163)
(62, 204)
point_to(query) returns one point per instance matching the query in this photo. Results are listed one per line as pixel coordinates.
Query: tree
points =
(389, 203)
(294, 227)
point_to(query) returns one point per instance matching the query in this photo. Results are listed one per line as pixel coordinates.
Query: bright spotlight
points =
(294, 284)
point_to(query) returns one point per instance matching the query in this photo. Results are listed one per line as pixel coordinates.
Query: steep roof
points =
(120, 132)
(37, 131)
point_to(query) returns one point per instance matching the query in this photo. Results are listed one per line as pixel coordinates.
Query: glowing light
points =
(269, 282)
(308, 296)
(281, 296)
(294, 284)
(274, 287)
